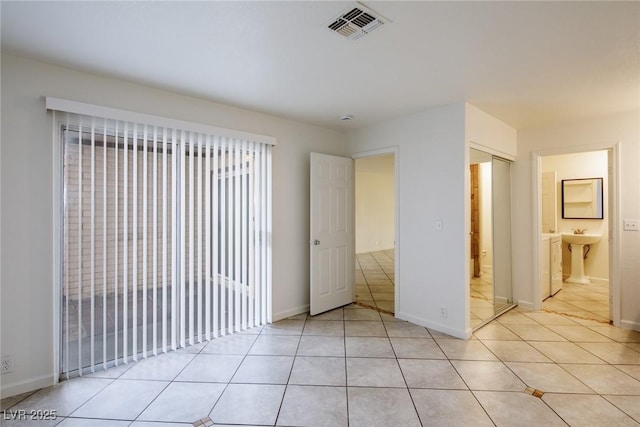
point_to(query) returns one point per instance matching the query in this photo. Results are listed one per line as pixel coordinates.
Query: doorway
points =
(490, 237)
(375, 219)
(589, 299)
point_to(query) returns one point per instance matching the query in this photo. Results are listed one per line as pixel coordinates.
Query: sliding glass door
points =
(165, 239)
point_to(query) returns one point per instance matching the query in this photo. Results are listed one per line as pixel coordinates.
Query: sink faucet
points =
(579, 230)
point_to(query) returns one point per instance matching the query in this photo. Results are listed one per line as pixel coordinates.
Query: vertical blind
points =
(166, 238)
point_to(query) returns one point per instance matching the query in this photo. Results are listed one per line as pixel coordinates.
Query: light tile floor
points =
(375, 280)
(586, 302)
(581, 301)
(358, 367)
(375, 286)
(481, 306)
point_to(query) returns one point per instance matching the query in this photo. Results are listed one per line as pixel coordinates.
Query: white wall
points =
(486, 133)
(432, 266)
(375, 203)
(433, 185)
(27, 264)
(579, 136)
(592, 164)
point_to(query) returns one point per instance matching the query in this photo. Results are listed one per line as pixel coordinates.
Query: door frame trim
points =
(613, 149)
(395, 150)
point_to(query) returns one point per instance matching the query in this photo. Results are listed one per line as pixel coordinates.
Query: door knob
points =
(316, 242)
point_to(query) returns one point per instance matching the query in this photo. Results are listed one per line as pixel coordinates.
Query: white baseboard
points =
(599, 281)
(594, 280)
(528, 305)
(462, 334)
(628, 324)
(501, 300)
(291, 312)
(12, 389)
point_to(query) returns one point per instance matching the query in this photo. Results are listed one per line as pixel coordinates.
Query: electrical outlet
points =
(7, 365)
(631, 225)
(443, 312)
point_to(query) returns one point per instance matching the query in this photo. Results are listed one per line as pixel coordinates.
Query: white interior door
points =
(332, 235)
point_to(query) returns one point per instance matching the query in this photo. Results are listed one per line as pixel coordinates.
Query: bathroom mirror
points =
(582, 198)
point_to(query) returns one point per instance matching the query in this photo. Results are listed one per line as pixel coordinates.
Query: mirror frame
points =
(598, 198)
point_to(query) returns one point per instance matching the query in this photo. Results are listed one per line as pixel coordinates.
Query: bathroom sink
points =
(580, 239)
(577, 245)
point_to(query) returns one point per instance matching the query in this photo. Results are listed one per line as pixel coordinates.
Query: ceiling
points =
(527, 63)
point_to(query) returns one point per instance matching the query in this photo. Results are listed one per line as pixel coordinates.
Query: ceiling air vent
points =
(356, 22)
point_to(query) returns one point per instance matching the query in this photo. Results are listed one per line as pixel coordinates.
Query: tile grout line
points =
(547, 326)
(594, 392)
(228, 383)
(370, 254)
(346, 370)
(523, 381)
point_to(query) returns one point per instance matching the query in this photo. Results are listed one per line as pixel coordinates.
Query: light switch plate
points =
(631, 225)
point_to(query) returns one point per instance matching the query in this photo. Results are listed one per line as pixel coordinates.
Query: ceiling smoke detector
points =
(356, 22)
